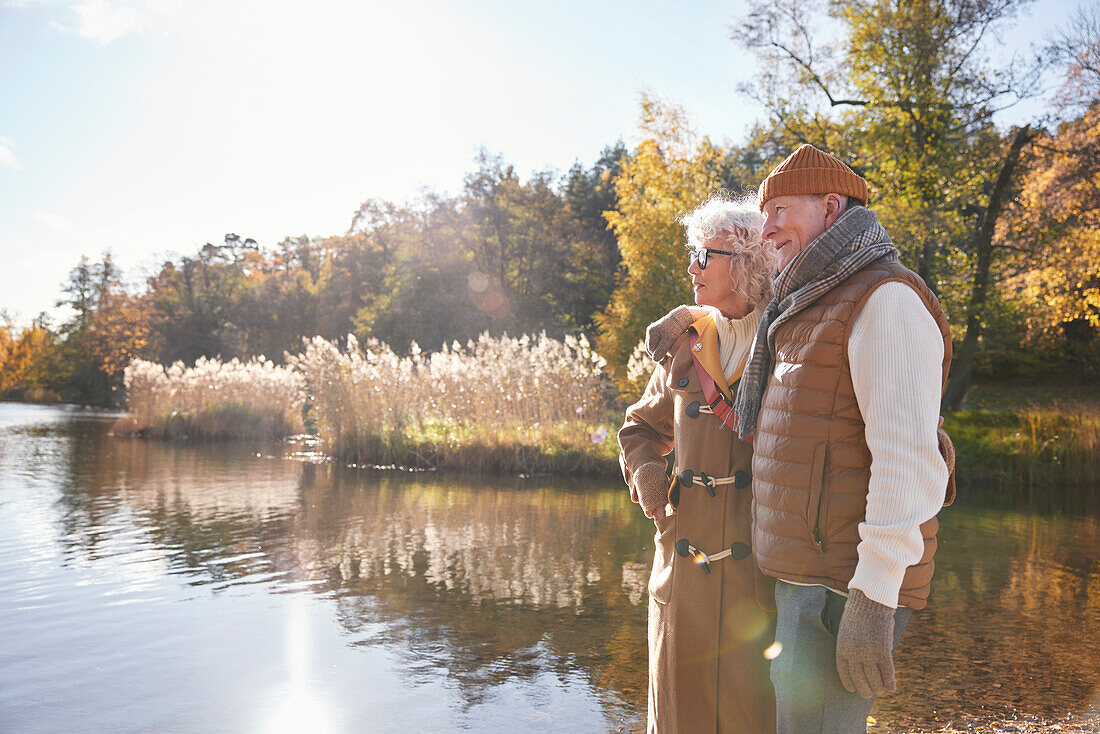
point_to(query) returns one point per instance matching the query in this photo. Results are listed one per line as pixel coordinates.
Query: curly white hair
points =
(733, 223)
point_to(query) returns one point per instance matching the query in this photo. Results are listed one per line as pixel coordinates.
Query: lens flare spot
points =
(495, 304)
(700, 558)
(478, 282)
(773, 650)
(599, 435)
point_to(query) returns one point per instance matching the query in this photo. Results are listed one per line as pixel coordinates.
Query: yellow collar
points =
(708, 355)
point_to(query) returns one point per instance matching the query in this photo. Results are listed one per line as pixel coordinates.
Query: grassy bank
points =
(496, 405)
(36, 395)
(1026, 451)
(1030, 441)
(567, 448)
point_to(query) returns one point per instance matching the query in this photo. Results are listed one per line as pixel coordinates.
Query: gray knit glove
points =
(651, 487)
(663, 333)
(864, 646)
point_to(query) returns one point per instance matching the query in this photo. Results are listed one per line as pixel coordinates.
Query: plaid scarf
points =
(854, 241)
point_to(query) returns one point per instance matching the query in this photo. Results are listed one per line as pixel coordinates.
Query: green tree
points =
(518, 239)
(196, 302)
(77, 368)
(426, 292)
(80, 294)
(595, 262)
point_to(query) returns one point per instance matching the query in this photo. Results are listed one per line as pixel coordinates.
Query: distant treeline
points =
(1002, 223)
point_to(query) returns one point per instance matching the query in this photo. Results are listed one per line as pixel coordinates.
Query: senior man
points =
(841, 400)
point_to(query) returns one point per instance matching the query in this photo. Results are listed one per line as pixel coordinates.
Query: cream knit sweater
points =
(735, 339)
(896, 353)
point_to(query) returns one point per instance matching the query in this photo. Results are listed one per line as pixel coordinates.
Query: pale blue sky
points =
(152, 126)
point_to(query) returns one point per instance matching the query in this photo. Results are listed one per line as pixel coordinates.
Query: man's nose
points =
(693, 267)
(767, 231)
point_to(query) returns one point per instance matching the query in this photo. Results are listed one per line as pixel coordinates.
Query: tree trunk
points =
(924, 266)
(963, 367)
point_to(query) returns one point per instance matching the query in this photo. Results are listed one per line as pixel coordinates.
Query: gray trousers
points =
(808, 694)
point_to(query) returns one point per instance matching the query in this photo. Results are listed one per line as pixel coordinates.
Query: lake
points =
(154, 587)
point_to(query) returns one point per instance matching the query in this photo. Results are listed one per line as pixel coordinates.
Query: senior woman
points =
(707, 631)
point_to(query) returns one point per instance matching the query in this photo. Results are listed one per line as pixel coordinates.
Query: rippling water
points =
(155, 587)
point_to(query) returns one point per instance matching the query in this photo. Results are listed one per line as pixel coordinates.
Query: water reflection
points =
(500, 602)
(1015, 620)
(480, 585)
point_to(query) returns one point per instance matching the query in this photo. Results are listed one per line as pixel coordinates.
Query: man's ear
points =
(834, 207)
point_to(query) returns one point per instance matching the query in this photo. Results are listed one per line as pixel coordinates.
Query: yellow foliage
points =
(119, 333)
(23, 359)
(1056, 223)
(670, 174)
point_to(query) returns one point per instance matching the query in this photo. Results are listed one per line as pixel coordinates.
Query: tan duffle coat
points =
(708, 632)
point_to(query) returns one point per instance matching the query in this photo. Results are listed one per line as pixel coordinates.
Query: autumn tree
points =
(1076, 50)
(509, 252)
(671, 172)
(907, 92)
(1054, 224)
(118, 334)
(27, 365)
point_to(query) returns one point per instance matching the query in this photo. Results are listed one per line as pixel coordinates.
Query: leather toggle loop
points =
(741, 479)
(708, 483)
(737, 552)
(687, 477)
(686, 550)
(692, 410)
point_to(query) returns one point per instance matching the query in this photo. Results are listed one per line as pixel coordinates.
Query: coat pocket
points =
(814, 514)
(664, 556)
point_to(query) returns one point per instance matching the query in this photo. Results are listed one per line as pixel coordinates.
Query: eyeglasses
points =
(700, 255)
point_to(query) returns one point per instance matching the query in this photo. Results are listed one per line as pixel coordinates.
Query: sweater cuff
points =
(878, 578)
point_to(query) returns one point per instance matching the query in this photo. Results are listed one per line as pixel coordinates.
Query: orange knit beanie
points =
(812, 171)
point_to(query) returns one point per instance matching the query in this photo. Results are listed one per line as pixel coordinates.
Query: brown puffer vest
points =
(811, 465)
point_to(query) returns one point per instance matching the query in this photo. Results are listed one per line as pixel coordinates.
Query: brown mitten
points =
(865, 646)
(651, 487)
(663, 333)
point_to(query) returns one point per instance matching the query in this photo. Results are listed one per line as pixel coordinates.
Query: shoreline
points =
(1085, 723)
(1026, 451)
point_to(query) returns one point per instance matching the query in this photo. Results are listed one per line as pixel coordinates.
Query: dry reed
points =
(496, 404)
(213, 399)
(527, 404)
